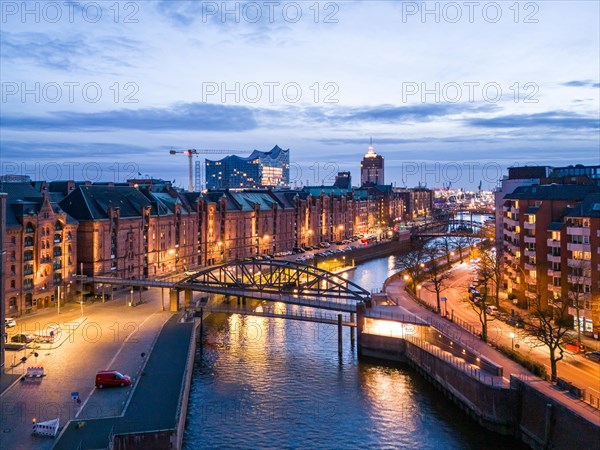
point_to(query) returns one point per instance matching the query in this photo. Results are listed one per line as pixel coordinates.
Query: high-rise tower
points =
(371, 167)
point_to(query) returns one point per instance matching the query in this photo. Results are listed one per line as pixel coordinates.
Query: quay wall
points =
(523, 409)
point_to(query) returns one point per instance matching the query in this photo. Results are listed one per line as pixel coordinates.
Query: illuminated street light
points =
(512, 336)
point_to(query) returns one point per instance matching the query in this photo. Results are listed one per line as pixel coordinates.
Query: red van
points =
(111, 378)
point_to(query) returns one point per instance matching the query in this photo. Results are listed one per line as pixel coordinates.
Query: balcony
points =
(529, 226)
(552, 243)
(510, 222)
(572, 247)
(529, 239)
(533, 295)
(553, 258)
(530, 253)
(579, 263)
(530, 266)
(579, 279)
(578, 231)
(554, 273)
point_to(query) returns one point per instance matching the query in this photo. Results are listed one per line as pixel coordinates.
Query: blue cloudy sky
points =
(448, 91)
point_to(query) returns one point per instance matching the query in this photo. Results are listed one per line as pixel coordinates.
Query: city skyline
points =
(113, 96)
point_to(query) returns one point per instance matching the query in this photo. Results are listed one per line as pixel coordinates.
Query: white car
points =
(9, 322)
(491, 310)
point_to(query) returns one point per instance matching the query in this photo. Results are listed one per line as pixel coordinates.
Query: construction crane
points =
(192, 151)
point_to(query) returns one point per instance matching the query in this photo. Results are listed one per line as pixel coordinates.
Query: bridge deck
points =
(305, 316)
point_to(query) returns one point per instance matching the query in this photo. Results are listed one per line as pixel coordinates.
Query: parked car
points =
(575, 347)
(22, 338)
(593, 356)
(491, 310)
(109, 378)
(9, 322)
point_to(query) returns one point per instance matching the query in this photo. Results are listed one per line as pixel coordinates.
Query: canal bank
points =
(492, 389)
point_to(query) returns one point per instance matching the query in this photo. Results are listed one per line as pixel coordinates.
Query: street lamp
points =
(512, 336)
(419, 291)
(131, 299)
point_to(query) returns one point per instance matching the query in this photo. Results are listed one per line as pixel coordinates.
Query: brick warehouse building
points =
(146, 228)
(41, 246)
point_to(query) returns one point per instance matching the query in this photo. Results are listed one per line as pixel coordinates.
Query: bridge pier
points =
(187, 298)
(352, 331)
(340, 334)
(173, 300)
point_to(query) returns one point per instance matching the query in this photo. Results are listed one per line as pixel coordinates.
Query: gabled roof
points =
(93, 202)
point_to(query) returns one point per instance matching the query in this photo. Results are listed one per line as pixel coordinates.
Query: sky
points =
(450, 92)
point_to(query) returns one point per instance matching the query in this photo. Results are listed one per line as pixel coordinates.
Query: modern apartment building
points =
(551, 247)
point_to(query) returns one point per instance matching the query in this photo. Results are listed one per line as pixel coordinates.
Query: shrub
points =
(534, 367)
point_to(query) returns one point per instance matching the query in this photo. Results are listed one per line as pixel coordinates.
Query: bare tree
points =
(489, 270)
(447, 245)
(412, 262)
(462, 242)
(438, 273)
(576, 294)
(480, 300)
(549, 324)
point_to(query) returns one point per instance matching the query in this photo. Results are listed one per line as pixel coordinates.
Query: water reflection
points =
(271, 383)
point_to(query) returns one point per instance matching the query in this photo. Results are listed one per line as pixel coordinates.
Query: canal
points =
(271, 383)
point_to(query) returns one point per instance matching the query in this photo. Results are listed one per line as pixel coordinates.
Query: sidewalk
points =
(395, 289)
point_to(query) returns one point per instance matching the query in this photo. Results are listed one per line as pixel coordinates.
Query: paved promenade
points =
(155, 401)
(395, 290)
(109, 335)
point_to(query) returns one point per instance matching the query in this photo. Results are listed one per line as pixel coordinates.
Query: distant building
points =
(13, 178)
(259, 170)
(343, 180)
(371, 168)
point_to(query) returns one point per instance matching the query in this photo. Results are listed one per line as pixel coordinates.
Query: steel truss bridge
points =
(452, 227)
(271, 280)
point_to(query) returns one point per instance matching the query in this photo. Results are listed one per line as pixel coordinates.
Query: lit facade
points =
(372, 168)
(259, 170)
(551, 248)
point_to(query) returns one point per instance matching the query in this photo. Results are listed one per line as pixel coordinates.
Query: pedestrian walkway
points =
(396, 291)
(156, 401)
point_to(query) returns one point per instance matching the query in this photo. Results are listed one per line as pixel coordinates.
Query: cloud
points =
(183, 116)
(581, 83)
(550, 119)
(76, 52)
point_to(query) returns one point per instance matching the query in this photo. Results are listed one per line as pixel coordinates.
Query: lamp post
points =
(512, 336)
(419, 291)
(131, 298)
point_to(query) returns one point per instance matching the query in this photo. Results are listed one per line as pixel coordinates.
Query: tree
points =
(447, 244)
(549, 324)
(480, 301)
(577, 273)
(462, 242)
(438, 273)
(412, 263)
(489, 270)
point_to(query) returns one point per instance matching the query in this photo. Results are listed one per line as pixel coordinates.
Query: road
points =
(112, 335)
(576, 368)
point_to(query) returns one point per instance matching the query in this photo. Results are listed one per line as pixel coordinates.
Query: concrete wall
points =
(491, 406)
(157, 440)
(546, 423)
(521, 410)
